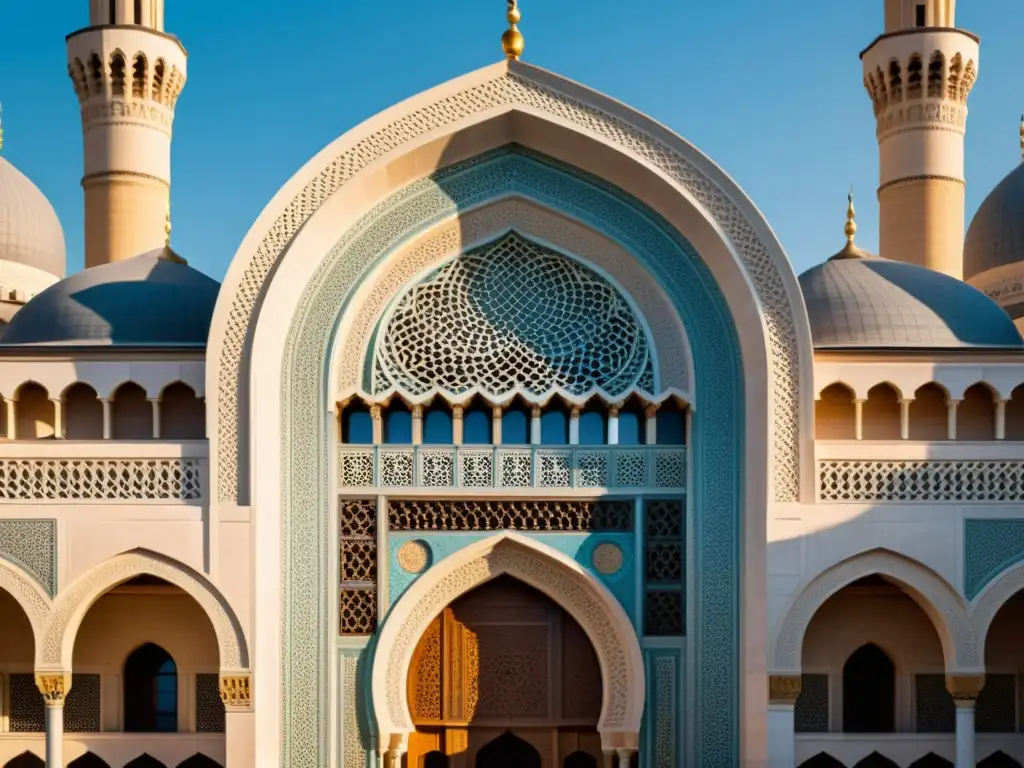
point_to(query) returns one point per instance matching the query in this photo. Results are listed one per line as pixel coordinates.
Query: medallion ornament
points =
(608, 559)
(414, 556)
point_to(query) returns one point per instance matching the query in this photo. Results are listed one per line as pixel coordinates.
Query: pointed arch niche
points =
(588, 602)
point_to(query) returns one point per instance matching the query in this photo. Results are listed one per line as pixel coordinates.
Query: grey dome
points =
(145, 301)
(996, 235)
(874, 302)
(30, 232)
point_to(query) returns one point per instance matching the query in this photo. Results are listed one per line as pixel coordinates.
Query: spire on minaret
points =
(512, 41)
(850, 251)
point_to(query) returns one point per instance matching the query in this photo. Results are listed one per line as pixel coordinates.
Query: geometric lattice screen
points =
(358, 595)
(512, 314)
(664, 567)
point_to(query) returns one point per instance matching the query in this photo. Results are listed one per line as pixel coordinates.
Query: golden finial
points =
(851, 223)
(512, 41)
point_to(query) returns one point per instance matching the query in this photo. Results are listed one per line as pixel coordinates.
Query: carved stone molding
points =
(784, 689)
(965, 689)
(236, 691)
(414, 556)
(607, 558)
(54, 686)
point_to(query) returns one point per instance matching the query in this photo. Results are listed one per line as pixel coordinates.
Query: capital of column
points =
(376, 411)
(535, 412)
(236, 691)
(784, 689)
(965, 688)
(613, 410)
(54, 686)
(457, 411)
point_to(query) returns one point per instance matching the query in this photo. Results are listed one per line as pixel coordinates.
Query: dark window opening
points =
(138, 12)
(554, 425)
(150, 691)
(476, 426)
(113, 12)
(920, 15)
(869, 692)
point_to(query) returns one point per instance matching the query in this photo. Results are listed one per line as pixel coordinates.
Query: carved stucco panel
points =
(505, 90)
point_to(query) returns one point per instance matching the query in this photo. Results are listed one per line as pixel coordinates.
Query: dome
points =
(149, 300)
(996, 235)
(30, 232)
(868, 301)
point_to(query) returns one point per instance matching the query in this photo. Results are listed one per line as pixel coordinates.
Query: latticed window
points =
(936, 712)
(358, 594)
(664, 570)
(997, 705)
(209, 706)
(561, 516)
(811, 711)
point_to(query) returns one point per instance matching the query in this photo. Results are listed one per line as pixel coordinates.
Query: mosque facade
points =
(512, 438)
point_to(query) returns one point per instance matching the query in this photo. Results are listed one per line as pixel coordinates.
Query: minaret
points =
(128, 74)
(919, 75)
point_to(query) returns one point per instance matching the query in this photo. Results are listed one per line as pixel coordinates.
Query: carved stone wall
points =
(32, 544)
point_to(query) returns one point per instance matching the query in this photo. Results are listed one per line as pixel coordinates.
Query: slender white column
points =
(417, 425)
(377, 417)
(613, 425)
(965, 689)
(457, 426)
(783, 691)
(108, 417)
(54, 688)
(651, 431)
(535, 414)
(496, 425)
(1000, 419)
(858, 419)
(574, 426)
(951, 419)
(58, 417)
(155, 403)
(625, 756)
(239, 731)
(12, 420)
(905, 418)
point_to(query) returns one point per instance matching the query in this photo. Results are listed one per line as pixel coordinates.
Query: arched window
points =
(554, 424)
(138, 12)
(671, 424)
(594, 425)
(356, 424)
(145, 761)
(398, 424)
(1015, 415)
(822, 760)
(998, 759)
(632, 424)
(914, 77)
(132, 413)
(117, 74)
(895, 81)
(931, 760)
(877, 760)
(182, 413)
(834, 414)
(139, 77)
(477, 426)
(434, 759)
(580, 760)
(199, 761)
(936, 68)
(437, 424)
(929, 414)
(83, 413)
(515, 424)
(34, 412)
(869, 692)
(150, 691)
(508, 751)
(89, 760)
(976, 414)
(25, 760)
(881, 414)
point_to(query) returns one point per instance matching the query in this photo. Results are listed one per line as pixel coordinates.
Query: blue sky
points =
(770, 90)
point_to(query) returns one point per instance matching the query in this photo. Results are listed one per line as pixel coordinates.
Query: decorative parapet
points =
(505, 468)
(865, 481)
(102, 472)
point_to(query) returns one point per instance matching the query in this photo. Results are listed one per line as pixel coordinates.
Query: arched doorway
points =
(150, 691)
(869, 691)
(504, 674)
(508, 751)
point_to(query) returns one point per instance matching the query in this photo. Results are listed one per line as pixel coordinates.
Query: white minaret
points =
(919, 74)
(128, 74)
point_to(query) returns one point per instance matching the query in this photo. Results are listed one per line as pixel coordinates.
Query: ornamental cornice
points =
(143, 111)
(935, 115)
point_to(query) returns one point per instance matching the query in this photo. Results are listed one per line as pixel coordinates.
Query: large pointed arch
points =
(584, 598)
(27, 593)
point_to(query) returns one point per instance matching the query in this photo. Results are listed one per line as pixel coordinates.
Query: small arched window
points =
(398, 424)
(150, 691)
(89, 760)
(34, 413)
(139, 77)
(434, 759)
(83, 413)
(515, 425)
(936, 67)
(554, 424)
(117, 74)
(132, 413)
(357, 424)
(477, 424)
(914, 77)
(671, 423)
(182, 413)
(25, 760)
(869, 692)
(895, 81)
(594, 425)
(437, 424)
(580, 760)
(632, 425)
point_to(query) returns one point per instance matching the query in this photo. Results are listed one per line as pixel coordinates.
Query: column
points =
(239, 727)
(377, 417)
(965, 689)
(12, 420)
(108, 417)
(54, 686)
(574, 426)
(155, 404)
(651, 430)
(457, 413)
(535, 414)
(1000, 419)
(398, 745)
(858, 418)
(951, 419)
(496, 425)
(613, 425)
(58, 417)
(625, 756)
(783, 691)
(905, 417)
(417, 425)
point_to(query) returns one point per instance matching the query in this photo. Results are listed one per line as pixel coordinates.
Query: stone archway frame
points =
(545, 226)
(936, 597)
(29, 594)
(73, 603)
(991, 599)
(429, 122)
(588, 601)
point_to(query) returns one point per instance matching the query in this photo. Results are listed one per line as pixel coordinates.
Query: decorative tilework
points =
(32, 544)
(665, 714)
(354, 752)
(82, 705)
(717, 428)
(209, 705)
(990, 547)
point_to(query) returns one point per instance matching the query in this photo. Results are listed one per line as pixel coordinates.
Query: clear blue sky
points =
(770, 90)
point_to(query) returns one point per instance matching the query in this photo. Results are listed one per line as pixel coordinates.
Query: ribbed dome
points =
(996, 235)
(30, 232)
(145, 301)
(874, 302)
